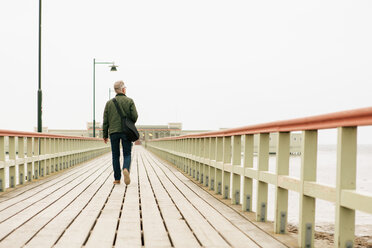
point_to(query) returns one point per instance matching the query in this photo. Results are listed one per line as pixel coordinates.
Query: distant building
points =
(77, 132)
(149, 132)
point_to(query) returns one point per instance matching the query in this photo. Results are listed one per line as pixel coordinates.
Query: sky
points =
(209, 64)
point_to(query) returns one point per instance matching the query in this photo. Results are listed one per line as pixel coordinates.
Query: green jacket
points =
(111, 117)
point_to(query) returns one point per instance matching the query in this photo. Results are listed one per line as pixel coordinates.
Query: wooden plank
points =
(129, 231)
(78, 231)
(37, 209)
(43, 194)
(54, 206)
(261, 237)
(154, 232)
(54, 229)
(203, 230)
(104, 231)
(180, 234)
(230, 233)
(10, 198)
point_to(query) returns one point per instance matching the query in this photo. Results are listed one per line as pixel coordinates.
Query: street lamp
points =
(113, 68)
(110, 90)
(39, 92)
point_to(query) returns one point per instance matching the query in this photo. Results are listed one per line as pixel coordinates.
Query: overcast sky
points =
(206, 63)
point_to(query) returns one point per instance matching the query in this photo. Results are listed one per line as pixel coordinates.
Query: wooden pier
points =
(160, 208)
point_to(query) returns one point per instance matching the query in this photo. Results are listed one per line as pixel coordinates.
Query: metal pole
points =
(94, 98)
(39, 92)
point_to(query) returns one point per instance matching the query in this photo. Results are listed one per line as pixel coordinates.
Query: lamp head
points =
(113, 67)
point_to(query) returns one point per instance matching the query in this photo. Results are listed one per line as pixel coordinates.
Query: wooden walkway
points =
(160, 208)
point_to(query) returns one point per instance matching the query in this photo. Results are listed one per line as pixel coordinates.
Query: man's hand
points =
(105, 140)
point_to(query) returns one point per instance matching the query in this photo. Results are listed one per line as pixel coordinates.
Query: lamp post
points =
(39, 92)
(110, 90)
(113, 68)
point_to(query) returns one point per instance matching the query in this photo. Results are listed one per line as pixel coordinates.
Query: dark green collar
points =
(120, 94)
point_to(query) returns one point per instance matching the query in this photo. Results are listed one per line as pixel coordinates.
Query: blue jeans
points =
(115, 148)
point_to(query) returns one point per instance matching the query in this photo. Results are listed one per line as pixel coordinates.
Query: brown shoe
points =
(117, 182)
(126, 176)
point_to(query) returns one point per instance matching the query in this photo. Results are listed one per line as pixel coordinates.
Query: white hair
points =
(119, 86)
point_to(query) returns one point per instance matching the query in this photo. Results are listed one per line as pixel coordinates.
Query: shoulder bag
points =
(127, 124)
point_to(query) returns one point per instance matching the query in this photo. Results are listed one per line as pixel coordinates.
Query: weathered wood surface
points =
(160, 208)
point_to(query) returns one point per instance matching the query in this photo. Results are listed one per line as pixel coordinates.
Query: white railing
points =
(26, 156)
(214, 158)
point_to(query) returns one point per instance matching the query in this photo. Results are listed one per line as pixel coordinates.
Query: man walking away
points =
(112, 126)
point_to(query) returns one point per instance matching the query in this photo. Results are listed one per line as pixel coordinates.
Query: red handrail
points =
(349, 118)
(12, 133)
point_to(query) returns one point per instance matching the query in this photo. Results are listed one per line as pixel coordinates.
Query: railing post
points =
(207, 159)
(185, 153)
(219, 166)
(43, 160)
(36, 158)
(345, 180)
(307, 203)
(12, 157)
(57, 155)
(47, 160)
(21, 155)
(248, 163)
(262, 187)
(69, 150)
(212, 168)
(197, 158)
(226, 162)
(188, 154)
(193, 156)
(64, 157)
(281, 195)
(202, 159)
(29, 159)
(53, 153)
(2, 160)
(236, 162)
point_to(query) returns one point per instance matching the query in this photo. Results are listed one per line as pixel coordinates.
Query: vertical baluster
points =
(36, 157)
(55, 154)
(281, 195)
(29, 159)
(207, 144)
(21, 155)
(47, 152)
(219, 165)
(43, 146)
(69, 150)
(236, 162)
(226, 175)
(212, 168)
(184, 153)
(191, 156)
(202, 158)
(12, 157)
(189, 151)
(248, 163)
(345, 180)
(196, 153)
(2, 163)
(262, 187)
(64, 157)
(307, 203)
